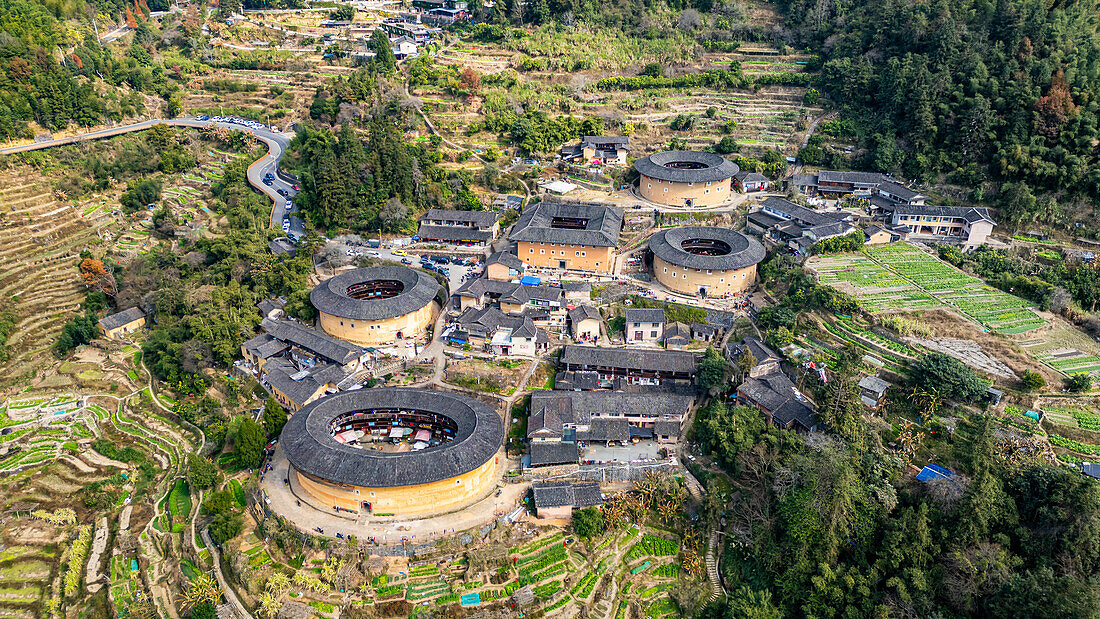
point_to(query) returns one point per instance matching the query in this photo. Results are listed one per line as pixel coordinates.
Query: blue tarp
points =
(471, 599)
(530, 280)
(934, 471)
(1034, 415)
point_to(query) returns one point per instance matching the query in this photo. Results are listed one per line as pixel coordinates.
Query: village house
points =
(872, 390)
(459, 227)
(558, 499)
(117, 326)
(677, 335)
(608, 368)
(568, 236)
(608, 150)
(771, 391)
(786, 224)
(644, 325)
(964, 225)
(585, 322)
(504, 266)
(748, 182)
(489, 329)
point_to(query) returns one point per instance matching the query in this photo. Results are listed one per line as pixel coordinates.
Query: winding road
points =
(276, 142)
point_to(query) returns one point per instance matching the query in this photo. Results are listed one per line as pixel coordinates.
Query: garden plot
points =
(878, 288)
(992, 308)
(1065, 350)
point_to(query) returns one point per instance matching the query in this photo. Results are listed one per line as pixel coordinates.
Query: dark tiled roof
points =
(677, 332)
(584, 312)
(704, 330)
(658, 165)
(508, 259)
(605, 429)
(452, 233)
(551, 409)
(804, 180)
(620, 141)
(764, 220)
(310, 447)
(281, 246)
(576, 287)
(323, 344)
(583, 379)
(874, 384)
(486, 321)
(901, 192)
(744, 250)
(775, 393)
(544, 453)
(760, 350)
(825, 231)
(297, 385)
(628, 358)
(802, 214)
(862, 178)
(666, 427)
(744, 176)
(481, 219)
(602, 230)
(564, 493)
(644, 314)
(124, 317)
(331, 297)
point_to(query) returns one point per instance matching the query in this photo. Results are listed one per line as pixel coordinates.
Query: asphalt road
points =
(276, 143)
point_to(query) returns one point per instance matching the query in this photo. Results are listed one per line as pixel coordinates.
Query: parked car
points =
(399, 252)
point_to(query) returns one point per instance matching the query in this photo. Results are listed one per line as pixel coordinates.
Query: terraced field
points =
(41, 236)
(900, 276)
(1066, 350)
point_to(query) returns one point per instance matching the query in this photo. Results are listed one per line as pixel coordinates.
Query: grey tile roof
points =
(804, 180)
(119, 319)
(677, 333)
(760, 351)
(428, 232)
(899, 191)
(584, 312)
(826, 231)
(544, 453)
(309, 445)
(744, 176)
(564, 493)
(297, 385)
(968, 213)
(663, 166)
(506, 258)
(629, 359)
(744, 251)
(602, 411)
(859, 178)
(644, 315)
(703, 331)
(320, 343)
(762, 219)
(802, 214)
(486, 321)
(873, 384)
(601, 229)
(331, 296)
(281, 246)
(583, 379)
(666, 427)
(620, 141)
(775, 393)
(576, 287)
(481, 219)
(604, 429)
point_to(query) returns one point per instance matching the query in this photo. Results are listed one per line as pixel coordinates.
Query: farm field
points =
(901, 276)
(1065, 349)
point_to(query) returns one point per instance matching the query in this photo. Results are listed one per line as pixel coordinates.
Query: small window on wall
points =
(458, 482)
(372, 493)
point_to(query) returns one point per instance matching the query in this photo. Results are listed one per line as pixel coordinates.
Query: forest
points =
(835, 527)
(1001, 90)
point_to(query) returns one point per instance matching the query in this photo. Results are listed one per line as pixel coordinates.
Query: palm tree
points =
(203, 589)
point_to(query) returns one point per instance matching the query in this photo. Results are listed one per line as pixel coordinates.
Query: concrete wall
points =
(378, 332)
(576, 257)
(413, 501)
(717, 283)
(676, 194)
(499, 272)
(588, 326)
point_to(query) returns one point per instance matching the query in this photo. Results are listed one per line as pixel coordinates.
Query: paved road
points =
(276, 144)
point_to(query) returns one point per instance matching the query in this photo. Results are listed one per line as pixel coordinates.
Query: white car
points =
(286, 226)
(375, 254)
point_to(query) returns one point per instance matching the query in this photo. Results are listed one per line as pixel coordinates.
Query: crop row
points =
(652, 545)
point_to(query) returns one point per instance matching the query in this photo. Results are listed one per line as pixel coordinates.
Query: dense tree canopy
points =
(935, 87)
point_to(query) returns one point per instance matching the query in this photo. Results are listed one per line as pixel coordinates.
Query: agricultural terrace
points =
(901, 276)
(1072, 426)
(1065, 349)
(74, 463)
(541, 569)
